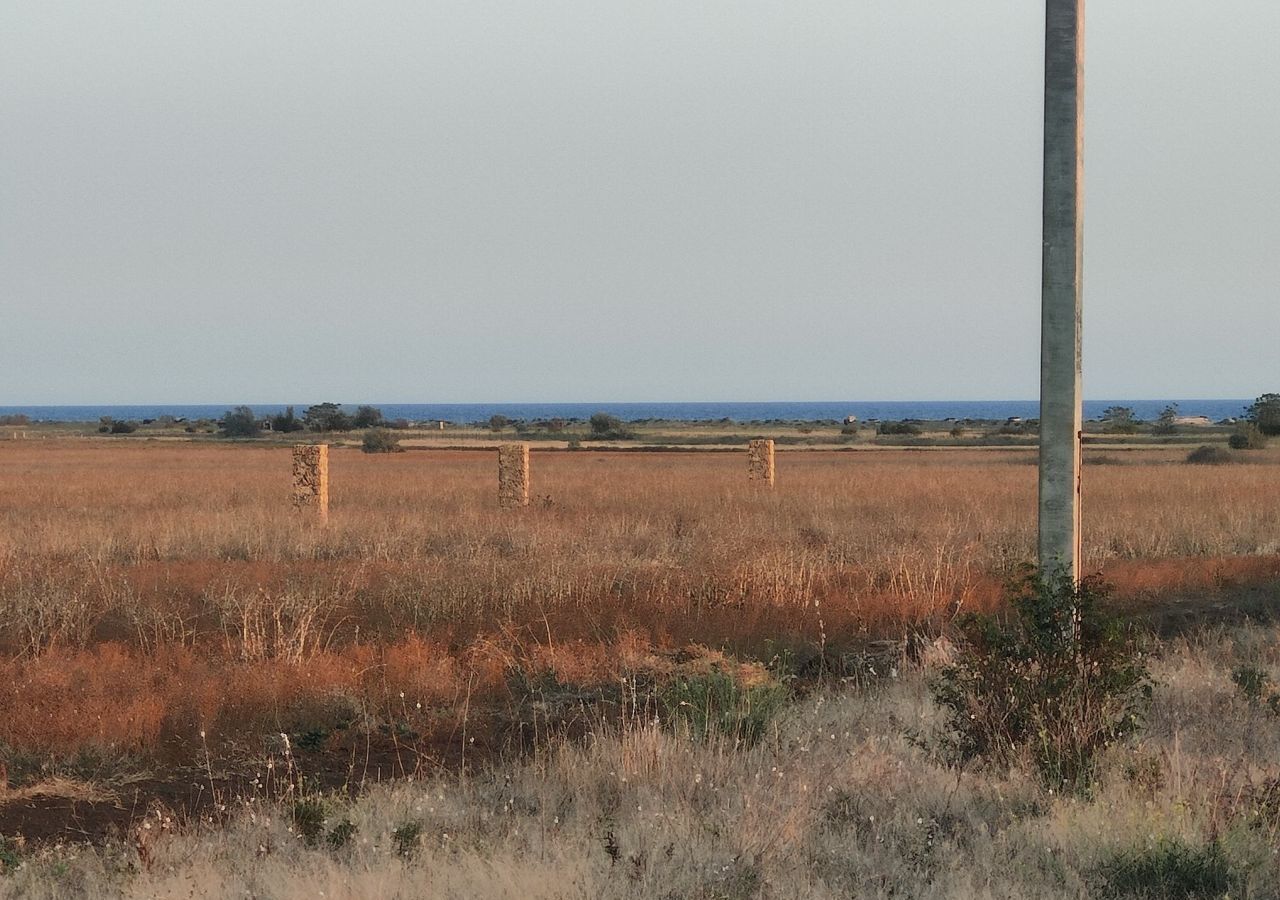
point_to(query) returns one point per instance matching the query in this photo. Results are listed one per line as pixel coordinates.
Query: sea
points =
(466, 413)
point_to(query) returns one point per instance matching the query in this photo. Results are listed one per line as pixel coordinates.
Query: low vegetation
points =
(1208, 455)
(651, 683)
(380, 440)
(1057, 683)
(1247, 436)
(838, 797)
(605, 427)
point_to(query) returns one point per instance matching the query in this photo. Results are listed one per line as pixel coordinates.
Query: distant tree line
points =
(322, 417)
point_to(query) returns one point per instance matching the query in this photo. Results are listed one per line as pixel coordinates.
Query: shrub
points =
(240, 422)
(1255, 686)
(1252, 682)
(603, 423)
(380, 440)
(308, 820)
(1247, 436)
(907, 428)
(716, 704)
(1171, 869)
(497, 423)
(1058, 681)
(605, 427)
(1119, 420)
(407, 838)
(1206, 455)
(367, 417)
(1265, 413)
(1167, 423)
(9, 858)
(327, 417)
(286, 422)
(108, 425)
(341, 834)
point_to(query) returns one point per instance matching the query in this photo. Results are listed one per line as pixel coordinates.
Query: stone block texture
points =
(513, 475)
(760, 461)
(311, 478)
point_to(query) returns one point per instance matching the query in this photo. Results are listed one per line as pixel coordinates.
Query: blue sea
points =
(463, 413)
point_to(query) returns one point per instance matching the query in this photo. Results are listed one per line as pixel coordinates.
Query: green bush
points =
(1265, 413)
(714, 704)
(308, 820)
(907, 428)
(1167, 423)
(1206, 455)
(9, 858)
(1171, 869)
(240, 422)
(407, 838)
(327, 417)
(286, 422)
(1255, 686)
(108, 425)
(367, 417)
(1057, 681)
(1247, 436)
(1119, 420)
(380, 440)
(341, 834)
(605, 427)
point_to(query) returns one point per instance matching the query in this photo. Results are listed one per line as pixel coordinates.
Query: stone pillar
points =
(513, 475)
(311, 479)
(1060, 304)
(760, 461)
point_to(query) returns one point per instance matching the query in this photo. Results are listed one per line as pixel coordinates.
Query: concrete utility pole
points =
(1060, 391)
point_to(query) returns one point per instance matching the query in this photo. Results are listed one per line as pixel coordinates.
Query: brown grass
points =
(841, 799)
(157, 588)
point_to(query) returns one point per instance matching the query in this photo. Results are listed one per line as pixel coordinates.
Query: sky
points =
(581, 200)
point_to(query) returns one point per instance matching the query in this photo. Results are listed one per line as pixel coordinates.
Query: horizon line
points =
(62, 405)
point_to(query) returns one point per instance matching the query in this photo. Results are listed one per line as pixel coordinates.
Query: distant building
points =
(1192, 420)
(851, 420)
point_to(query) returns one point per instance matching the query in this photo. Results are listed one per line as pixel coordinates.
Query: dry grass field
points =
(168, 622)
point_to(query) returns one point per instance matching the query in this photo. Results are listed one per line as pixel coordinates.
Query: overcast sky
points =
(593, 200)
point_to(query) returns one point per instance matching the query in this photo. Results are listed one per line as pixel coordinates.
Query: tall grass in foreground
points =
(838, 798)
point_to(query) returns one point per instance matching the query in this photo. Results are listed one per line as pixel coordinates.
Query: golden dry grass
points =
(170, 586)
